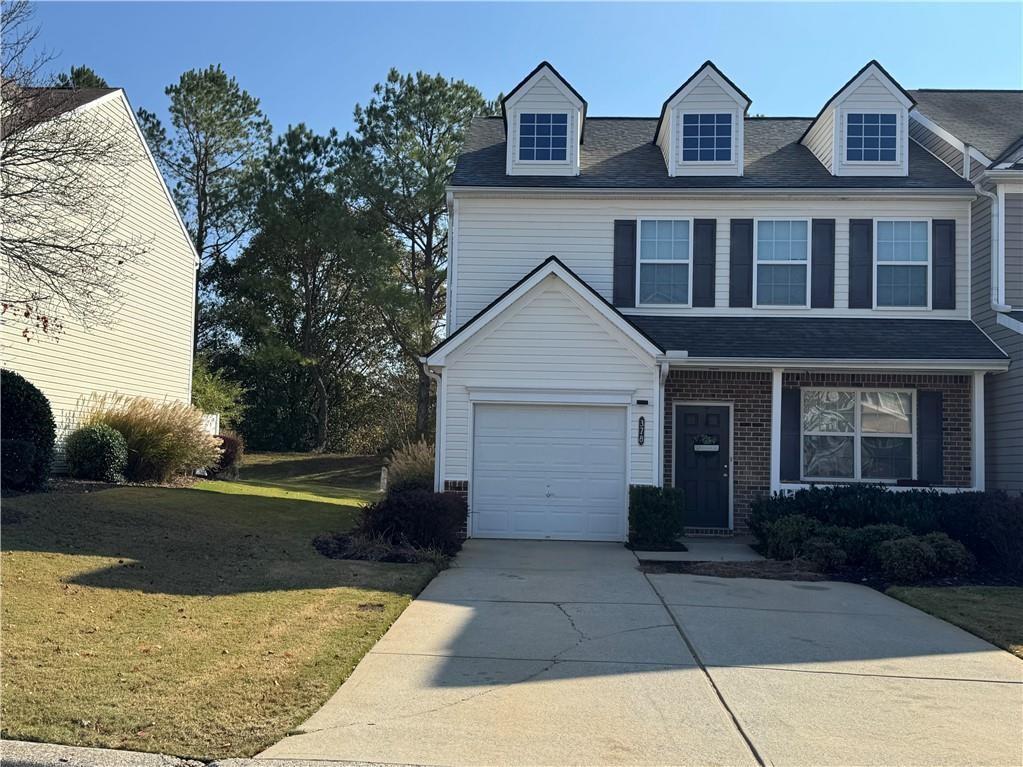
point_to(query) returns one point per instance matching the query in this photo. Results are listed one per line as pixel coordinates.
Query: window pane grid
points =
(870, 137)
(664, 262)
(707, 137)
(782, 258)
(834, 448)
(903, 253)
(543, 137)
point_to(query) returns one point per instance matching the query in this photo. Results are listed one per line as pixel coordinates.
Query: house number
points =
(642, 429)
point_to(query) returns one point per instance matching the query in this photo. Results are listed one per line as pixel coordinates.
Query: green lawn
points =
(193, 621)
(994, 613)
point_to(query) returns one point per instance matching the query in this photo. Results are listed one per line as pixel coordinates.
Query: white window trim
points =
(806, 263)
(708, 163)
(899, 128)
(640, 261)
(568, 138)
(930, 263)
(857, 434)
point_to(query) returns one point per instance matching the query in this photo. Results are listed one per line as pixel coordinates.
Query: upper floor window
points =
(902, 263)
(543, 137)
(857, 434)
(664, 262)
(871, 137)
(707, 137)
(782, 263)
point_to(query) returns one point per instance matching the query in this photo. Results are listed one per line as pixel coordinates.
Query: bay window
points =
(903, 256)
(782, 263)
(665, 257)
(857, 434)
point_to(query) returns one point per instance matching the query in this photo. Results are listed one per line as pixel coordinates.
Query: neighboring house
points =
(732, 305)
(145, 347)
(979, 134)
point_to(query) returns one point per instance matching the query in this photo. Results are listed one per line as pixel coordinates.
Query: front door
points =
(702, 463)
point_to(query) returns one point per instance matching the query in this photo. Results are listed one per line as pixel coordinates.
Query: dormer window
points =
(543, 137)
(707, 137)
(871, 137)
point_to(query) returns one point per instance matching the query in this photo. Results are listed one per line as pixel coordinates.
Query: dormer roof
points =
(707, 67)
(544, 67)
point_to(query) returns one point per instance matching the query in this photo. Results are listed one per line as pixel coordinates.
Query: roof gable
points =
(872, 68)
(707, 69)
(543, 69)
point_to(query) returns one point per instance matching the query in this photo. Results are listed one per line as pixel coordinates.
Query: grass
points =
(192, 621)
(994, 613)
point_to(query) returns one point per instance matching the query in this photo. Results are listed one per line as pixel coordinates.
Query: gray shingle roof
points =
(44, 104)
(851, 338)
(619, 153)
(992, 121)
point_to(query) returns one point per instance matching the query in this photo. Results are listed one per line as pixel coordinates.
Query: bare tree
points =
(64, 251)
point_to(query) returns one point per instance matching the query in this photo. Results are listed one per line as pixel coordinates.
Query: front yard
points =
(193, 621)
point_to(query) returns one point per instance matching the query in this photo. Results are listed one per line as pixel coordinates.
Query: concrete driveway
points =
(548, 653)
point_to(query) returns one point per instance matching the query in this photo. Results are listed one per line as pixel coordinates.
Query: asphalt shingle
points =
(992, 121)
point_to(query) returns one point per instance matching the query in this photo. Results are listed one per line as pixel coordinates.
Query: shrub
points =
(25, 416)
(656, 515)
(96, 452)
(16, 458)
(861, 541)
(787, 536)
(953, 559)
(906, 560)
(411, 468)
(164, 438)
(212, 392)
(231, 456)
(824, 552)
(417, 518)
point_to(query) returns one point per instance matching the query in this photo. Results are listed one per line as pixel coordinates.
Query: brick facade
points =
(459, 487)
(749, 392)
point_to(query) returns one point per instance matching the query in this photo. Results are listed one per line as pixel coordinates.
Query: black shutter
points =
(790, 447)
(943, 271)
(930, 458)
(704, 247)
(740, 263)
(861, 263)
(624, 292)
(822, 267)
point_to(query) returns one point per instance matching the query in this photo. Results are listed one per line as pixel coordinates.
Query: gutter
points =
(680, 359)
(780, 192)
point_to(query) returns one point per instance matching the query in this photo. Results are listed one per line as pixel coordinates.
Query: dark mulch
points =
(358, 547)
(677, 546)
(767, 569)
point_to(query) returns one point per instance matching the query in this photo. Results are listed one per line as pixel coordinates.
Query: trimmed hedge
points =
(25, 416)
(417, 518)
(656, 515)
(989, 524)
(97, 452)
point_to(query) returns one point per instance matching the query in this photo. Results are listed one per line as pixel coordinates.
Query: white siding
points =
(820, 139)
(873, 96)
(543, 96)
(549, 338)
(146, 349)
(499, 240)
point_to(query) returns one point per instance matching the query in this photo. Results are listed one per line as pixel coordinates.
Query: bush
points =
(411, 468)
(164, 438)
(212, 392)
(96, 452)
(656, 515)
(953, 559)
(906, 560)
(16, 457)
(417, 518)
(824, 552)
(787, 536)
(231, 456)
(25, 416)
(861, 542)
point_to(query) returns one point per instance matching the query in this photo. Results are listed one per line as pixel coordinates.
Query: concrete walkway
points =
(544, 653)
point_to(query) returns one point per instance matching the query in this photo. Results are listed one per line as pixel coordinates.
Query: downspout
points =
(996, 275)
(663, 368)
(437, 429)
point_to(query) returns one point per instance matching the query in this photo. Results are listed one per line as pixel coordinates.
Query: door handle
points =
(549, 491)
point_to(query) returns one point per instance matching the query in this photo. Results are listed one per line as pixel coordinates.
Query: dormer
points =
(700, 131)
(543, 124)
(863, 130)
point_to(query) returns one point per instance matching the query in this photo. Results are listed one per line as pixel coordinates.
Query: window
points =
(782, 261)
(902, 260)
(543, 137)
(664, 259)
(857, 434)
(707, 137)
(871, 137)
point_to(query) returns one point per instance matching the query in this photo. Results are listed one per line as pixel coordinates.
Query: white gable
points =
(706, 92)
(544, 92)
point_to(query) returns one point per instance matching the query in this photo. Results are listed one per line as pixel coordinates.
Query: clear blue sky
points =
(311, 62)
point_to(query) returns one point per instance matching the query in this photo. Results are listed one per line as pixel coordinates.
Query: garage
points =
(549, 472)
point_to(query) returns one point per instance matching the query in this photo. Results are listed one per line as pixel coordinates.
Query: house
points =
(728, 304)
(144, 347)
(979, 134)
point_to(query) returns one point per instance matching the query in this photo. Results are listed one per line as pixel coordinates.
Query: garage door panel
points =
(549, 472)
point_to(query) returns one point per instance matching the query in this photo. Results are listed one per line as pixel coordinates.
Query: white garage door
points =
(549, 471)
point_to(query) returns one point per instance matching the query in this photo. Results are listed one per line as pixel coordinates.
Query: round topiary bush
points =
(97, 452)
(25, 415)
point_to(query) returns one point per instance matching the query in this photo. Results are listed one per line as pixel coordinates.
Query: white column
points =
(776, 429)
(977, 432)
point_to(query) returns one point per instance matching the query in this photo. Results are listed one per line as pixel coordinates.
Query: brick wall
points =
(750, 395)
(459, 487)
